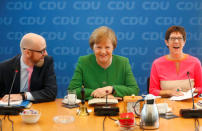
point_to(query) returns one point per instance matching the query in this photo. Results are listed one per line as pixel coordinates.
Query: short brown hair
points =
(102, 33)
(174, 28)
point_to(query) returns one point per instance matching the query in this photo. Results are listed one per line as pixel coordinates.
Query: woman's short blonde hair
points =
(102, 33)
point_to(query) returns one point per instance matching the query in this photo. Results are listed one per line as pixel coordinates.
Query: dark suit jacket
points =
(43, 80)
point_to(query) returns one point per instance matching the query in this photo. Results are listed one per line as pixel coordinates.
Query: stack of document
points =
(12, 103)
(101, 101)
(21, 103)
(187, 95)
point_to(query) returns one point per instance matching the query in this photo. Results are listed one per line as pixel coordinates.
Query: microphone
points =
(106, 97)
(191, 89)
(106, 110)
(11, 110)
(9, 95)
(191, 113)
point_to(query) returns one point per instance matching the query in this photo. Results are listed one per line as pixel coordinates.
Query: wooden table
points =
(92, 123)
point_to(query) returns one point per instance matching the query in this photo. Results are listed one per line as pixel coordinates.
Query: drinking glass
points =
(71, 97)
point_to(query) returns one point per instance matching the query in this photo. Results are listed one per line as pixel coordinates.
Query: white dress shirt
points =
(24, 80)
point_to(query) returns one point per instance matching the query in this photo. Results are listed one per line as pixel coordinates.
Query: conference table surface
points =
(95, 123)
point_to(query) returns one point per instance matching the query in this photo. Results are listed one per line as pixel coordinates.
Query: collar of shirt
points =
(23, 66)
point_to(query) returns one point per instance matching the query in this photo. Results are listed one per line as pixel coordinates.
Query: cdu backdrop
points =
(140, 26)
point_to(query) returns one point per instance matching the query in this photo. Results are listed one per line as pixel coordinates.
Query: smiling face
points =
(175, 44)
(103, 52)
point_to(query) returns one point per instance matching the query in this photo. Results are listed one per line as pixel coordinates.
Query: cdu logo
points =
(161, 51)
(58, 20)
(120, 5)
(189, 5)
(89, 50)
(141, 80)
(194, 36)
(60, 65)
(195, 51)
(52, 5)
(15, 35)
(63, 80)
(196, 21)
(86, 5)
(6, 20)
(54, 35)
(155, 5)
(81, 35)
(19, 5)
(134, 20)
(146, 66)
(152, 36)
(66, 50)
(125, 35)
(32, 20)
(6, 50)
(100, 20)
(168, 20)
(134, 51)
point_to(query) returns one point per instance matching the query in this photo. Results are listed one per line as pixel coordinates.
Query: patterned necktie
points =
(30, 70)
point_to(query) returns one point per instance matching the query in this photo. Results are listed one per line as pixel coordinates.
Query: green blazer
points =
(92, 76)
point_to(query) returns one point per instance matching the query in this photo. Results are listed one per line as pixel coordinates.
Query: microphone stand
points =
(106, 110)
(191, 113)
(191, 90)
(9, 95)
(11, 110)
(106, 98)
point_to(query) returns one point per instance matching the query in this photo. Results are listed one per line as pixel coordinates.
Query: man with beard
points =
(35, 77)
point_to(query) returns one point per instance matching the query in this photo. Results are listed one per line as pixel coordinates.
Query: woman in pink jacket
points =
(170, 73)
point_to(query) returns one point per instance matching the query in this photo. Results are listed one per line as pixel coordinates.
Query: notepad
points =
(101, 101)
(21, 103)
(187, 95)
(12, 103)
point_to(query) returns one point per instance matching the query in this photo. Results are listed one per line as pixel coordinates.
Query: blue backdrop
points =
(140, 26)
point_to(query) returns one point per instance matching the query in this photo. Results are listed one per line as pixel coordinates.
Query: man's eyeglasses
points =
(176, 38)
(39, 51)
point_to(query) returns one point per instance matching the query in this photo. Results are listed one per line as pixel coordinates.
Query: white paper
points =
(2, 103)
(102, 101)
(187, 95)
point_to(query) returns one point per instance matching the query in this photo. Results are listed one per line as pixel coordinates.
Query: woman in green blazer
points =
(103, 73)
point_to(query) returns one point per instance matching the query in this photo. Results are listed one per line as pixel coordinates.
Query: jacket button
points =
(104, 82)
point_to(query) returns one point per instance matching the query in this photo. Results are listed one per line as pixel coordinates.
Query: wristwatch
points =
(23, 96)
